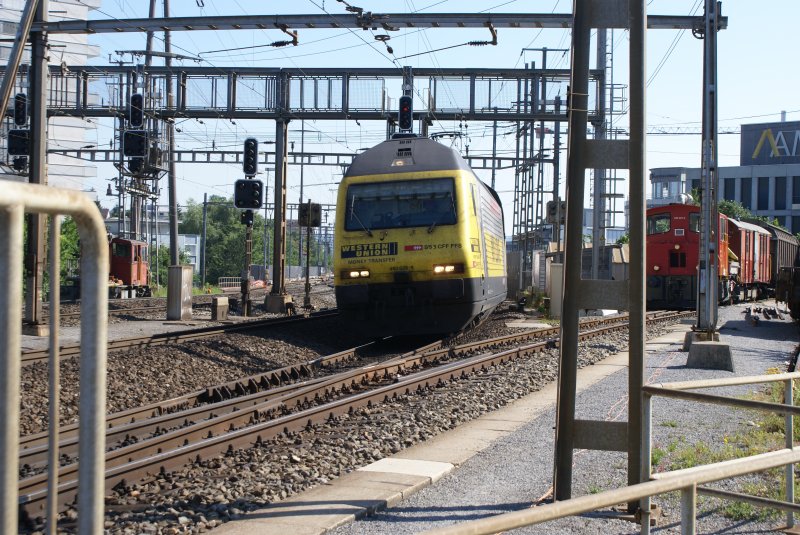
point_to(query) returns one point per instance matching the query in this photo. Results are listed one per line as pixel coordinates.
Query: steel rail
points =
(119, 311)
(174, 449)
(246, 392)
(38, 355)
(207, 403)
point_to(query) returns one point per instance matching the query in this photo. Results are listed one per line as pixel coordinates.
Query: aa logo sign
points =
(771, 143)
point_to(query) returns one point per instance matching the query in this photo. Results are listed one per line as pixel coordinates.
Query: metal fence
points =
(17, 199)
(688, 481)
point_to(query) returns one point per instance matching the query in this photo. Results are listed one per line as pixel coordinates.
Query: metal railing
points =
(682, 390)
(688, 481)
(16, 200)
(229, 283)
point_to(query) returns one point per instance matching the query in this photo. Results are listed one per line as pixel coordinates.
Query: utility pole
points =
(307, 287)
(302, 168)
(556, 177)
(598, 195)
(35, 253)
(248, 259)
(277, 299)
(203, 243)
(137, 196)
(172, 175)
(494, 148)
(709, 215)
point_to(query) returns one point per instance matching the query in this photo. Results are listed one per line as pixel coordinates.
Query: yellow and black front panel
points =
(410, 253)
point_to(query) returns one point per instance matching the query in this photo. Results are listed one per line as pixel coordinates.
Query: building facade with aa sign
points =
(767, 181)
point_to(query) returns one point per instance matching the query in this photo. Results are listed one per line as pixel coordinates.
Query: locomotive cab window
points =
(121, 250)
(658, 223)
(401, 204)
(694, 222)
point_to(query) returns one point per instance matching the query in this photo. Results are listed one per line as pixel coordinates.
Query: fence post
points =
(788, 399)
(10, 332)
(647, 422)
(688, 509)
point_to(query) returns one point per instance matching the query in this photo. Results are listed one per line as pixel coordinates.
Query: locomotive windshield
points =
(658, 223)
(401, 204)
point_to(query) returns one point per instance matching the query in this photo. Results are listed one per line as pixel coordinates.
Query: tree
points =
(734, 209)
(70, 248)
(159, 265)
(225, 237)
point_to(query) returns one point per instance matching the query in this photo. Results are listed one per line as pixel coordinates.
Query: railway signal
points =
(19, 142)
(553, 215)
(309, 215)
(248, 194)
(134, 143)
(250, 158)
(405, 116)
(20, 109)
(247, 218)
(136, 110)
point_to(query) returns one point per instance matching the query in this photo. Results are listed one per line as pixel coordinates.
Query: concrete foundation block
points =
(36, 329)
(698, 336)
(710, 355)
(179, 293)
(219, 308)
(278, 304)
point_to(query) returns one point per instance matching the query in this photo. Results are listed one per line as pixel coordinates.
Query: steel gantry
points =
(312, 94)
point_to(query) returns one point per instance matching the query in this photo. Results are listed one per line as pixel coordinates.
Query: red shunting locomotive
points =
(129, 268)
(751, 255)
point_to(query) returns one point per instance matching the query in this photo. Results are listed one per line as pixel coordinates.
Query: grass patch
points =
(161, 291)
(767, 434)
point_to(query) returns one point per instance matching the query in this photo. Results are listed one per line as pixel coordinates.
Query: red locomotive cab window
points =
(694, 222)
(658, 223)
(143, 253)
(121, 250)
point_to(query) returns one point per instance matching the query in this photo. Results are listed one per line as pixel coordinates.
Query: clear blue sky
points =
(758, 76)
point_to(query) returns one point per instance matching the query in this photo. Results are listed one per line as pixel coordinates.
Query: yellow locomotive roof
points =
(403, 155)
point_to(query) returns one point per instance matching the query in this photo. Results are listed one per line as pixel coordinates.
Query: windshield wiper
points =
(368, 231)
(353, 214)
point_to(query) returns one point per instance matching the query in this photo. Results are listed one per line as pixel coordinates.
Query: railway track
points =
(161, 437)
(71, 350)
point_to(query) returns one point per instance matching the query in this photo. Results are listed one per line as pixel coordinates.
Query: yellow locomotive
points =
(419, 241)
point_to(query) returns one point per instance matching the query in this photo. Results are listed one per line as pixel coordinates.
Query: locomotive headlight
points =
(355, 274)
(677, 246)
(440, 269)
(656, 268)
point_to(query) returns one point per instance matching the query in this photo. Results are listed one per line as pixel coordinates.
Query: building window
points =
(795, 224)
(780, 193)
(763, 193)
(746, 194)
(781, 220)
(730, 189)
(796, 192)
(695, 185)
